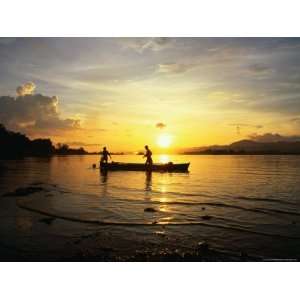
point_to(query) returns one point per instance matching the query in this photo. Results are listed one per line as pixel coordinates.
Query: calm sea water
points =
(241, 202)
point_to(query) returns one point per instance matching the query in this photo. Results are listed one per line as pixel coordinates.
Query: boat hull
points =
(169, 167)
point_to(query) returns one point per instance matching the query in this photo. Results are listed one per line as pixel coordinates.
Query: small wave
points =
(264, 200)
(107, 223)
(220, 204)
(269, 211)
(261, 210)
(279, 211)
(162, 193)
(205, 195)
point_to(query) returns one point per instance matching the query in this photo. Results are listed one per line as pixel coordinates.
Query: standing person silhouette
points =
(105, 155)
(148, 155)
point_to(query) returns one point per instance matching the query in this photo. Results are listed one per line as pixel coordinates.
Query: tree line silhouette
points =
(17, 145)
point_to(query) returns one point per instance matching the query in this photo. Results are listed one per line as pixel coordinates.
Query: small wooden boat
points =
(168, 167)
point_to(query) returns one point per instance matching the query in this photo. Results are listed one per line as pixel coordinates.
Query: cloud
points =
(33, 112)
(113, 74)
(259, 70)
(273, 138)
(287, 105)
(26, 89)
(160, 125)
(295, 120)
(142, 44)
(174, 68)
(246, 125)
(81, 144)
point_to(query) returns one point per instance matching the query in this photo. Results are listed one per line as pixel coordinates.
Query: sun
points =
(164, 140)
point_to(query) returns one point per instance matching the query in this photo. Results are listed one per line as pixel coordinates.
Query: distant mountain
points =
(248, 147)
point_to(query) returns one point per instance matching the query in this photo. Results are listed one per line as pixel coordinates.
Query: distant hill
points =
(17, 145)
(248, 147)
(14, 144)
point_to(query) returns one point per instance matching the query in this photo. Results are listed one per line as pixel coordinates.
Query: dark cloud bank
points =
(28, 111)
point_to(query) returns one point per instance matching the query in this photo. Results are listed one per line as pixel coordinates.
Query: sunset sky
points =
(165, 92)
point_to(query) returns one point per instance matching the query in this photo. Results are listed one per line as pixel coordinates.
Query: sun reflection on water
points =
(165, 220)
(163, 208)
(164, 158)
